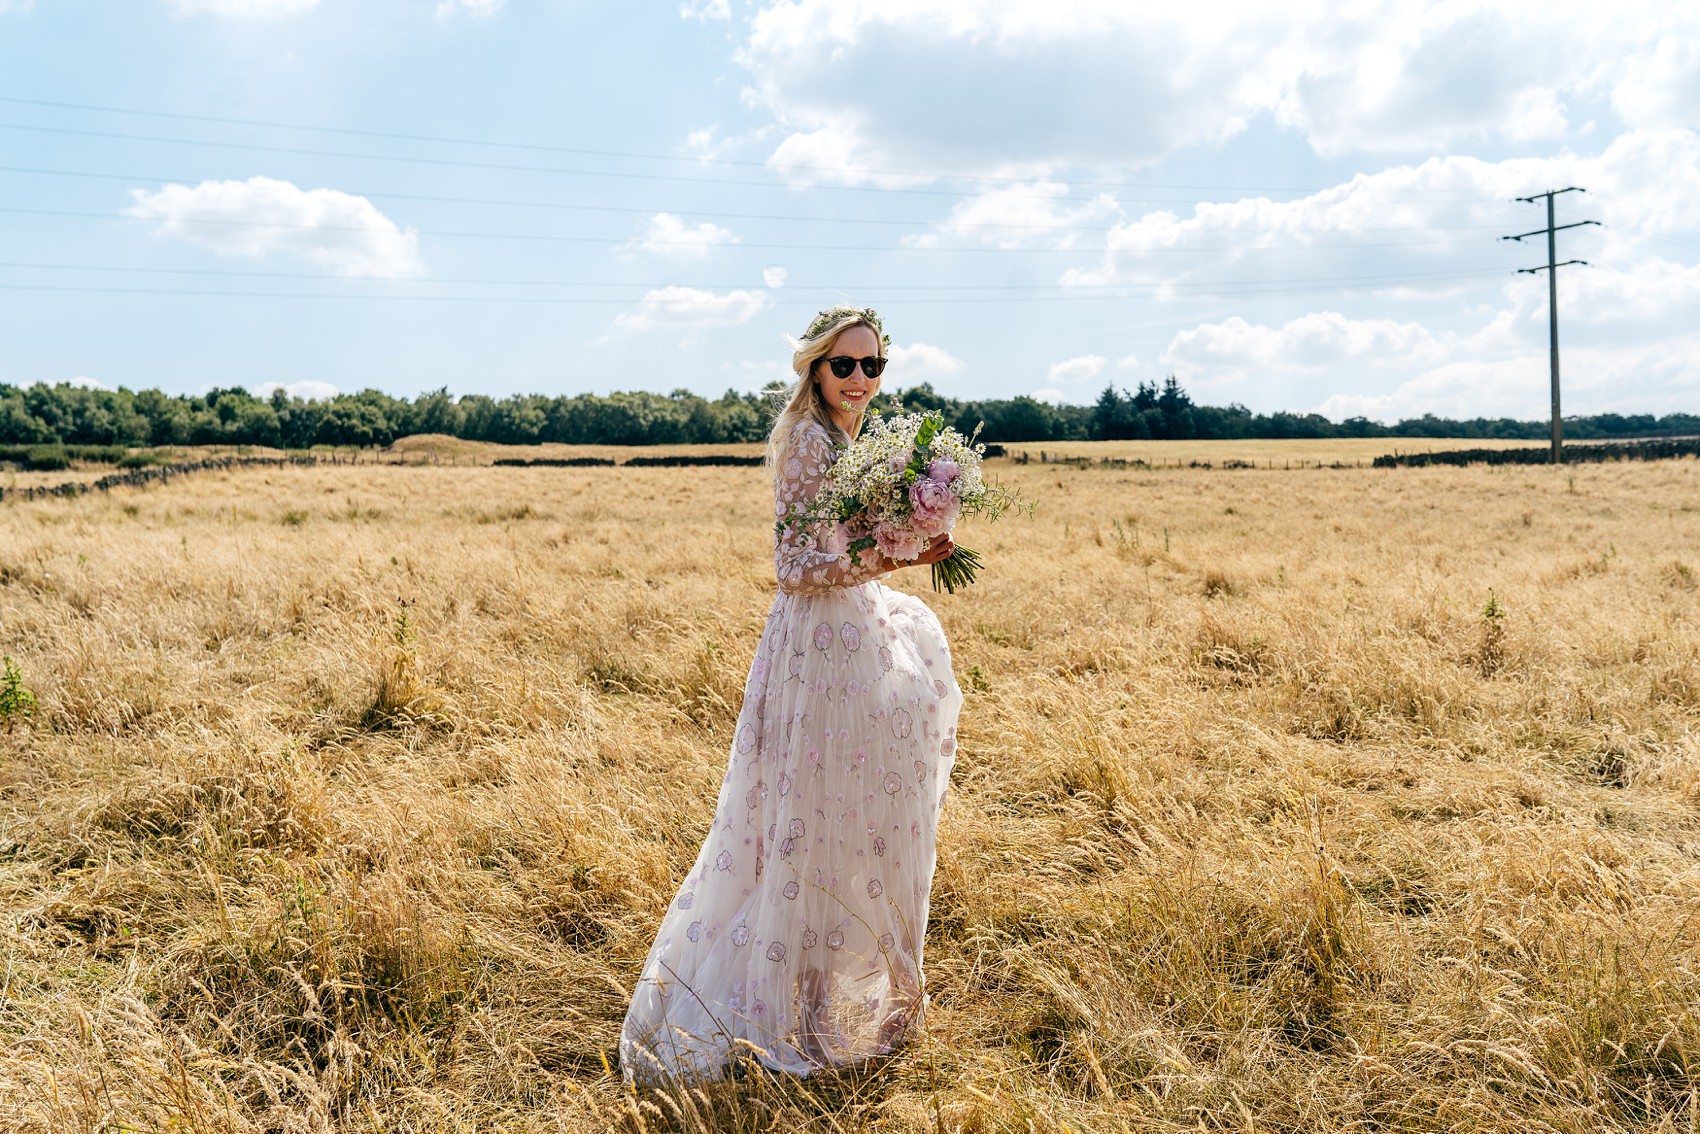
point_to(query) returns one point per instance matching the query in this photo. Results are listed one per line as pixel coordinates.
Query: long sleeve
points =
(803, 565)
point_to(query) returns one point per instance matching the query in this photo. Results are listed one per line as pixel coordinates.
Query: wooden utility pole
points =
(1551, 269)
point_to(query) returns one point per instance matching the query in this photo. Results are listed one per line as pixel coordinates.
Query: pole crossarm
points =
(1551, 267)
(1543, 232)
(1531, 199)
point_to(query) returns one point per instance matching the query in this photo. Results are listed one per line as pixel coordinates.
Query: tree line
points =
(75, 415)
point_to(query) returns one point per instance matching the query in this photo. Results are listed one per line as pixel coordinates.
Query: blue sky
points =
(1292, 206)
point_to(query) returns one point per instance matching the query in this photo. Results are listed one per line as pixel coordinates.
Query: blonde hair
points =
(804, 401)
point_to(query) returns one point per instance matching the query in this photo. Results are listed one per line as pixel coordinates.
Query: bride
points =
(796, 936)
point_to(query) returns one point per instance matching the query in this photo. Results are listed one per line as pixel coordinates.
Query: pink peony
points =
(936, 506)
(944, 470)
(899, 542)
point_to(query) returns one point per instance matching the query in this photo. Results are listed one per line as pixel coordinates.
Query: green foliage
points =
(16, 701)
(71, 416)
(977, 679)
(402, 631)
(46, 458)
(53, 457)
(401, 694)
(1491, 656)
(1166, 412)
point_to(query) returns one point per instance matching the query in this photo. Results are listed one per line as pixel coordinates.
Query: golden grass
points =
(1279, 454)
(452, 450)
(355, 794)
(1264, 453)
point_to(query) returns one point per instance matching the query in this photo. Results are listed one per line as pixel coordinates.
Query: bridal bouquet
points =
(906, 479)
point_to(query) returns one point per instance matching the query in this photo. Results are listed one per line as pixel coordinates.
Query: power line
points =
(1192, 289)
(1614, 269)
(1687, 244)
(224, 222)
(792, 285)
(1551, 269)
(300, 151)
(457, 164)
(789, 286)
(586, 152)
(569, 206)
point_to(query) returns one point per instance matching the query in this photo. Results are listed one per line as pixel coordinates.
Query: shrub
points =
(16, 701)
(47, 458)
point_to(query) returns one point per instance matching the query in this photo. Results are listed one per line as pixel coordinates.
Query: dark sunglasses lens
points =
(843, 366)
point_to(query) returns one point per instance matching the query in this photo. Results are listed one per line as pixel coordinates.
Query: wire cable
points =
(380, 195)
(585, 152)
(1193, 289)
(765, 246)
(493, 281)
(300, 151)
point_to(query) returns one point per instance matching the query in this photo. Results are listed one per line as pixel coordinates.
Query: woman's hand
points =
(939, 547)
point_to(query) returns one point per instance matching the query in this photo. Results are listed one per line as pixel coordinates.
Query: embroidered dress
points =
(797, 934)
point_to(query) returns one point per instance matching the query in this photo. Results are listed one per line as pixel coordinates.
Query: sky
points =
(1294, 206)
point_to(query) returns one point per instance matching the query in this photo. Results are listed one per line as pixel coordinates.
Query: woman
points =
(797, 934)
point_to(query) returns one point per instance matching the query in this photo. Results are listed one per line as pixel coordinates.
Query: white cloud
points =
(1465, 388)
(1656, 289)
(843, 77)
(1073, 371)
(1037, 85)
(307, 390)
(1664, 88)
(774, 277)
(81, 381)
(1387, 369)
(706, 10)
(243, 9)
(671, 237)
(920, 362)
(262, 216)
(1022, 216)
(753, 377)
(838, 154)
(1416, 77)
(692, 308)
(476, 9)
(1663, 375)
(1428, 228)
(16, 6)
(1128, 362)
(1326, 359)
(1402, 219)
(1320, 341)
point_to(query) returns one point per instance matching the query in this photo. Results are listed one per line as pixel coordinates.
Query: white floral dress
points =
(797, 934)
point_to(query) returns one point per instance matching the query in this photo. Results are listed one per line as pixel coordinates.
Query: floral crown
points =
(833, 314)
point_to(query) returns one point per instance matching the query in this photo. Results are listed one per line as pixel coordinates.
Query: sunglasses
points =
(843, 364)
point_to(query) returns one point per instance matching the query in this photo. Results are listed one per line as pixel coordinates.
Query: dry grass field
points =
(1289, 453)
(353, 797)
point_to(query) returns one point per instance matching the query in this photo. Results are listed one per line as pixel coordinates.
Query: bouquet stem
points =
(956, 570)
